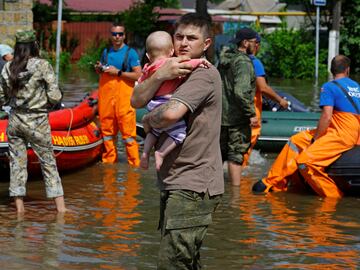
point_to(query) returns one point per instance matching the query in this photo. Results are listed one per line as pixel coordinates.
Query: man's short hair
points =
(198, 20)
(339, 64)
(118, 24)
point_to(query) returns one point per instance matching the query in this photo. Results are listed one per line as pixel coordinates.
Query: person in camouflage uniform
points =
(238, 111)
(28, 85)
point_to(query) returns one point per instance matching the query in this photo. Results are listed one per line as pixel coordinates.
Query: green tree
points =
(289, 53)
(349, 25)
(43, 13)
(140, 19)
(350, 32)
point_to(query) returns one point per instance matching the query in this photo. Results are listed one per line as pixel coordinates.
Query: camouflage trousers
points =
(33, 129)
(184, 218)
(235, 142)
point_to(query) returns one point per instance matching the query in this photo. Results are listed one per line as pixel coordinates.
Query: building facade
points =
(14, 15)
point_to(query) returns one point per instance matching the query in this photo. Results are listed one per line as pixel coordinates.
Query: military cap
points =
(24, 36)
(242, 34)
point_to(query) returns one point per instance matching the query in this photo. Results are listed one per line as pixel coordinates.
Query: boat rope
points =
(67, 135)
(68, 132)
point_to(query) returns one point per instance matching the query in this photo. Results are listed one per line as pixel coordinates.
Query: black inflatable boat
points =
(345, 171)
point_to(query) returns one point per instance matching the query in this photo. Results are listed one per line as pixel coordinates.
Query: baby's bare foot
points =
(144, 161)
(159, 159)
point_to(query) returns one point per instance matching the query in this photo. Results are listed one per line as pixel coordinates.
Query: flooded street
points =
(115, 219)
(116, 211)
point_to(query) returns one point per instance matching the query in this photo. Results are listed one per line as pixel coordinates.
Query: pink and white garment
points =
(177, 131)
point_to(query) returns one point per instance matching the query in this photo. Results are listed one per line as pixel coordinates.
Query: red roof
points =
(112, 6)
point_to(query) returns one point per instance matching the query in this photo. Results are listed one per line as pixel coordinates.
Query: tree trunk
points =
(336, 16)
(201, 8)
(334, 34)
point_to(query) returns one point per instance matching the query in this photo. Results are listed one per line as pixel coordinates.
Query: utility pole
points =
(317, 3)
(58, 38)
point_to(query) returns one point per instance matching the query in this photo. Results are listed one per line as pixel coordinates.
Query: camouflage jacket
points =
(38, 87)
(238, 77)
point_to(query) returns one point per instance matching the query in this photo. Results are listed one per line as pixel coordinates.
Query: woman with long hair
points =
(28, 85)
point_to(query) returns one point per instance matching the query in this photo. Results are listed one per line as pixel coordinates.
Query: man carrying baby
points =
(191, 176)
(159, 47)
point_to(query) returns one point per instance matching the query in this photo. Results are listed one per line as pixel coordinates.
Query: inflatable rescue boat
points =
(75, 135)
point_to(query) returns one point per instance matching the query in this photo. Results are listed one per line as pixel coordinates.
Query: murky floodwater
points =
(116, 213)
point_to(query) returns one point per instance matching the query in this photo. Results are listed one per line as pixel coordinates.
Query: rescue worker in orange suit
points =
(119, 69)
(262, 88)
(310, 152)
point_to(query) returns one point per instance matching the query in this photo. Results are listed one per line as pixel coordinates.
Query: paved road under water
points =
(115, 217)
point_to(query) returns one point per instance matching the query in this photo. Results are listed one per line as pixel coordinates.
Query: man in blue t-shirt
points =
(310, 152)
(119, 69)
(262, 88)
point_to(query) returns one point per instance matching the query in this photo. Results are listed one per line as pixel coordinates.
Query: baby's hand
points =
(205, 63)
(254, 122)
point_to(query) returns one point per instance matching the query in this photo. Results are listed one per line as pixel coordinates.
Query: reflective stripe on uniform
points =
(108, 138)
(293, 146)
(129, 140)
(302, 166)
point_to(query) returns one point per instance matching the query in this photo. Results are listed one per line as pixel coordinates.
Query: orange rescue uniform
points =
(116, 113)
(311, 159)
(255, 131)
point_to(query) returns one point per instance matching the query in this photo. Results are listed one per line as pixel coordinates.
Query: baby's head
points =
(159, 45)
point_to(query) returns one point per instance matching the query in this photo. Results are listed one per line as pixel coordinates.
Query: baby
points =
(159, 47)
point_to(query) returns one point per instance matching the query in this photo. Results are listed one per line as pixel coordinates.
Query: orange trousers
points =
(311, 160)
(255, 131)
(116, 114)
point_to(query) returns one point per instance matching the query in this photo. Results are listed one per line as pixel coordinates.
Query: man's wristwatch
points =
(119, 73)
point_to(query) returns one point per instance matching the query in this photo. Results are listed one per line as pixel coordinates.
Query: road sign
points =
(319, 2)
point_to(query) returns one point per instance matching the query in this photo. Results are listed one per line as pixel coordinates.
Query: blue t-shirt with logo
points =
(116, 58)
(258, 67)
(332, 95)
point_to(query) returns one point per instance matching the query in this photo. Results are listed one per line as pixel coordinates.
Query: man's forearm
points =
(321, 128)
(145, 91)
(324, 122)
(245, 98)
(269, 92)
(172, 68)
(133, 76)
(167, 114)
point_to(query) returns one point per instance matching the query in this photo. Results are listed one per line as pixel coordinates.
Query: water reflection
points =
(34, 240)
(308, 231)
(116, 213)
(285, 230)
(116, 210)
(105, 237)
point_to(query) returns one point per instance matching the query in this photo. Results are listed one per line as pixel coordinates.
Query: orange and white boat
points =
(75, 135)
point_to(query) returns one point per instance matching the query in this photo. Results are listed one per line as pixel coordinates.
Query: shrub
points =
(65, 59)
(91, 56)
(291, 54)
